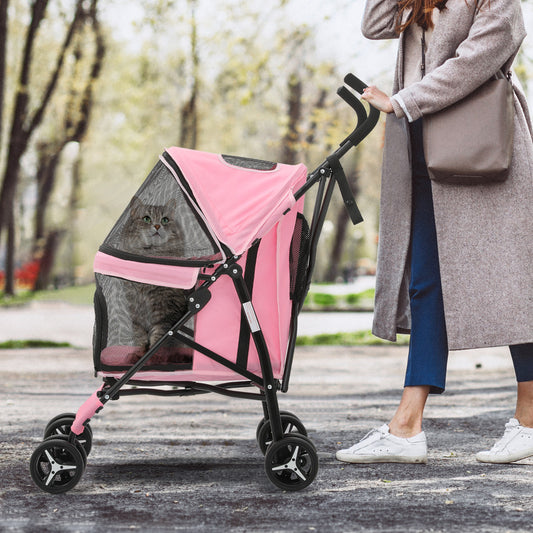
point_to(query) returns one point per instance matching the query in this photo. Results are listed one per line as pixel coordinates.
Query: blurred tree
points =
(76, 111)
(25, 121)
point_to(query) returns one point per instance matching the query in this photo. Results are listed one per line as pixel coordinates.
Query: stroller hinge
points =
(198, 300)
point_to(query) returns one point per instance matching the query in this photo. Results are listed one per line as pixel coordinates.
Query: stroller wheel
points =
(61, 426)
(77, 443)
(62, 415)
(292, 462)
(56, 466)
(290, 424)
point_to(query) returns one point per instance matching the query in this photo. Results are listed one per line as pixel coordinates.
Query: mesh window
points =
(299, 259)
(160, 225)
(131, 317)
(247, 162)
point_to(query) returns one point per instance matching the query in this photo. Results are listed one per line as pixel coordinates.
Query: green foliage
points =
(324, 299)
(357, 338)
(356, 299)
(32, 343)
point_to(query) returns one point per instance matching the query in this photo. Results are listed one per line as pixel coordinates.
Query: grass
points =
(357, 338)
(316, 301)
(17, 345)
(79, 295)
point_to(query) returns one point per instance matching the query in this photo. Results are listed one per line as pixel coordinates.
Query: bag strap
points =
(347, 195)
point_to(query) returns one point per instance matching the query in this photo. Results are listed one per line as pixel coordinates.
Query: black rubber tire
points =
(292, 462)
(78, 444)
(56, 466)
(290, 424)
(61, 426)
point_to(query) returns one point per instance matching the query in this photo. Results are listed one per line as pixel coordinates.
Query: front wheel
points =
(292, 462)
(56, 466)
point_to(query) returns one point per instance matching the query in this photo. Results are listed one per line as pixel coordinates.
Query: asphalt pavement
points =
(192, 464)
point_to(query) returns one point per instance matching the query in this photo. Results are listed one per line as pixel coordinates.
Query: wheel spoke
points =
(49, 457)
(291, 465)
(51, 477)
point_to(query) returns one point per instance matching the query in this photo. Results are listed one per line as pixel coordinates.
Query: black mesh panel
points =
(161, 225)
(299, 259)
(131, 317)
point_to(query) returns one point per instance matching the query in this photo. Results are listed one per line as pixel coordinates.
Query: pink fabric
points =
(86, 412)
(164, 275)
(240, 204)
(218, 324)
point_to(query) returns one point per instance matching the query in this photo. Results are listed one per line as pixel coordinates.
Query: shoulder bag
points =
(471, 141)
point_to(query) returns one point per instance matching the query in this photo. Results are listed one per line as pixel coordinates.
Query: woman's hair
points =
(422, 11)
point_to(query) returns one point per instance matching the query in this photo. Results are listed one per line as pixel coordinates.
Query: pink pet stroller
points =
(198, 289)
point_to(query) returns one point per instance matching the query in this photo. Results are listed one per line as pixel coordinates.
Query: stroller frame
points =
(291, 461)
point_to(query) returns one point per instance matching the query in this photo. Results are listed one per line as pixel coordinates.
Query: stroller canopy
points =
(241, 198)
(214, 202)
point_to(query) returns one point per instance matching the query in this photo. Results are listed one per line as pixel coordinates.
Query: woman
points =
(455, 263)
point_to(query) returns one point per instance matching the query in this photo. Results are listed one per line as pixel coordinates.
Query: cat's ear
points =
(172, 205)
(135, 204)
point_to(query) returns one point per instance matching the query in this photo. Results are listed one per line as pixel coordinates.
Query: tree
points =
(77, 112)
(25, 122)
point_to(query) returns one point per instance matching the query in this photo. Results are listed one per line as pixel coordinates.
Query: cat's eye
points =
(165, 221)
(147, 219)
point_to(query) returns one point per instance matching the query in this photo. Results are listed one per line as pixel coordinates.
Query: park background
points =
(91, 92)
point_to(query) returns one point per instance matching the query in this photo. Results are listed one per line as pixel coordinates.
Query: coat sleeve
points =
(379, 19)
(495, 36)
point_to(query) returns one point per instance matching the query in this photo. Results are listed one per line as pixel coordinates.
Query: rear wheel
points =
(290, 423)
(61, 426)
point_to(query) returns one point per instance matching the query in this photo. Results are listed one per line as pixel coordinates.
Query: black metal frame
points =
(266, 384)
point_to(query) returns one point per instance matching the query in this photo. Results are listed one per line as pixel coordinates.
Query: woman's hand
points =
(377, 98)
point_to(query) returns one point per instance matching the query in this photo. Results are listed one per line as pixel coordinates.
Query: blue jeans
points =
(428, 346)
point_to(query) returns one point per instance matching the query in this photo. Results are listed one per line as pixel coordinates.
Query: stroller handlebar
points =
(365, 122)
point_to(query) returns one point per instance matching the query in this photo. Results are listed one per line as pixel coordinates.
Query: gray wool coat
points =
(484, 232)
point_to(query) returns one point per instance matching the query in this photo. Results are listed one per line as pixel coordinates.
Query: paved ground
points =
(192, 464)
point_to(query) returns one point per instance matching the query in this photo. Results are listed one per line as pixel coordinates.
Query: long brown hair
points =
(422, 11)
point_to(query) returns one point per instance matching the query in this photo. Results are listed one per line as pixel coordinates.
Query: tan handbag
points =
(471, 141)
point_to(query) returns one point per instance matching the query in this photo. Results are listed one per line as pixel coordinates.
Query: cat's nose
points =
(157, 226)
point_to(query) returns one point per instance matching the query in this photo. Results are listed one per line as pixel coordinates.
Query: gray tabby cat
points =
(152, 230)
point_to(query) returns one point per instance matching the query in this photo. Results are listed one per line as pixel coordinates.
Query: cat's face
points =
(152, 229)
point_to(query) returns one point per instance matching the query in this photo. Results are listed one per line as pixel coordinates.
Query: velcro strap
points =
(346, 192)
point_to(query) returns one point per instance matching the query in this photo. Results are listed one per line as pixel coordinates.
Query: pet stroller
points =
(198, 289)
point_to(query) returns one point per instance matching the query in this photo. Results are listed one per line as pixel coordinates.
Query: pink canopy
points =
(240, 204)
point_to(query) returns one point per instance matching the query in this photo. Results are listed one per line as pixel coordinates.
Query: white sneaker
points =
(516, 444)
(379, 446)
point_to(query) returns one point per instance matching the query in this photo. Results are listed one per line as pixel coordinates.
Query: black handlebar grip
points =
(355, 83)
(353, 102)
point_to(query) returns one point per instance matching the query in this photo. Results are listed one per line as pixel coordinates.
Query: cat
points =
(152, 230)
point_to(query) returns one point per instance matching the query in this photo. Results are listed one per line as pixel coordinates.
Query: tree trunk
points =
(47, 260)
(189, 110)
(9, 288)
(292, 135)
(3, 39)
(76, 123)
